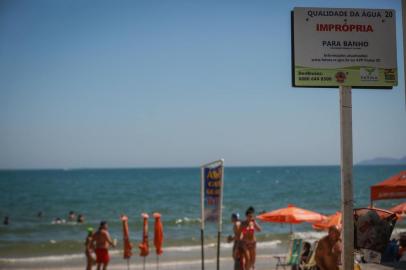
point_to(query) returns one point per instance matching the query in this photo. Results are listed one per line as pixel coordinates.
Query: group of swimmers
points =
(71, 218)
(244, 248)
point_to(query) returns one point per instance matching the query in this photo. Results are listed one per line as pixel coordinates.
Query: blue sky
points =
(174, 83)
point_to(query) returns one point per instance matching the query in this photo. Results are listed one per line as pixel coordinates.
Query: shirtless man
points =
(101, 241)
(237, 254)
(328, 250)
(249, 242)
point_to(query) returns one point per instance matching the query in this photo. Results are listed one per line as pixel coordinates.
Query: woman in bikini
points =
(248, 240)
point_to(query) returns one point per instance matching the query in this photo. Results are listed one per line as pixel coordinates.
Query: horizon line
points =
(183, 167)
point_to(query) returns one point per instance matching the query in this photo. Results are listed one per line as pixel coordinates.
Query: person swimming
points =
(58, 220)
(81, 218)
(72, 216)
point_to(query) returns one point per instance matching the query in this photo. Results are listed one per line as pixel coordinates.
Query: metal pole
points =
(218, 250)
(346, 177)
(404, 42)
(220, 221)
(202, 242)
(202, 214)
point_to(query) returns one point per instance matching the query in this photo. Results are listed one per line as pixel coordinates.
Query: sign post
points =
(404, 41)
(344, 48)
(212, 181)
(347, 204)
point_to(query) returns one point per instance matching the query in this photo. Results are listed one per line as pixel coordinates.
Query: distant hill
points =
(384, 161)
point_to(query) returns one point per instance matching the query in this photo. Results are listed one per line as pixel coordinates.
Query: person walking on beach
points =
(101, 241)
(249, 242)
(328, 251)
(237, 254)
(89, 249)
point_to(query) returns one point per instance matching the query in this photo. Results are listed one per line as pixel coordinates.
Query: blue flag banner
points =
(213, 182)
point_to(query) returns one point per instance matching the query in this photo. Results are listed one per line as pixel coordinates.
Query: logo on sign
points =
(369, 74)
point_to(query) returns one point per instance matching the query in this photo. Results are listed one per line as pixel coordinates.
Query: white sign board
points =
(352, 47)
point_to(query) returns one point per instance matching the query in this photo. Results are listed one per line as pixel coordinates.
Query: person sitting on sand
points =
(89, 249)
(249, 242)
(305, 253)
(101, 241)
(328, 251)
(235, 219)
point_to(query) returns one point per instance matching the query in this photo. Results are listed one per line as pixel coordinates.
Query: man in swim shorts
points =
(101, 241)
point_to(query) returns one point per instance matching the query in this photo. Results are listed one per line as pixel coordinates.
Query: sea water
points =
(105, 194)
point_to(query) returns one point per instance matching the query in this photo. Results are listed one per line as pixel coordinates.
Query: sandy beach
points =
(173, 259)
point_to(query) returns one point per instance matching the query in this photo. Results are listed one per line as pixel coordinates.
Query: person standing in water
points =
(235, 219)
(6, 220)
(89, 249)
(101, 241)
(249, 242)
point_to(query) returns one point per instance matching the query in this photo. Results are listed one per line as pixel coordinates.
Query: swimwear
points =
(246, 230)
(102, 255)
(251, 245)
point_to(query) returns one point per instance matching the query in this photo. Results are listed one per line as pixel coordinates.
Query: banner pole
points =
(404, 42)
(346, 177)
(202, 214)
(218, 250)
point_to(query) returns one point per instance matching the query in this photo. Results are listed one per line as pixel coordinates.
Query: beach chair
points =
(293, 257)
(310, 264)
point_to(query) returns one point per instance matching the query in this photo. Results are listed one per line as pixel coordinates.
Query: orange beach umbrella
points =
(392, 188)
(332, 220)
(158, 234)
(158, 237)
(399, 209)
(143, 246)
(126, 238)
(291, 215)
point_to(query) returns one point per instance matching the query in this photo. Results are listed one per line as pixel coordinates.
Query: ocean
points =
(105, 194)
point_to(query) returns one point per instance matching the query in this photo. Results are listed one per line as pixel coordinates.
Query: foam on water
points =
(173, 249)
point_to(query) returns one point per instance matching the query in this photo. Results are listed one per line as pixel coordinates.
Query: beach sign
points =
(342, 46)
(212, 182)
(212, 192)
(345, 48)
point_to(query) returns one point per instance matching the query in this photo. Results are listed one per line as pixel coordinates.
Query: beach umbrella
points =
(291, 215)
(143, 246)
(332, 220)
(158, 237)
(126, 240)
(399, 209)
(393, 187)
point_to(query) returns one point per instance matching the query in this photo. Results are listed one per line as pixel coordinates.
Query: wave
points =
(187, 220)
(172, 249)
